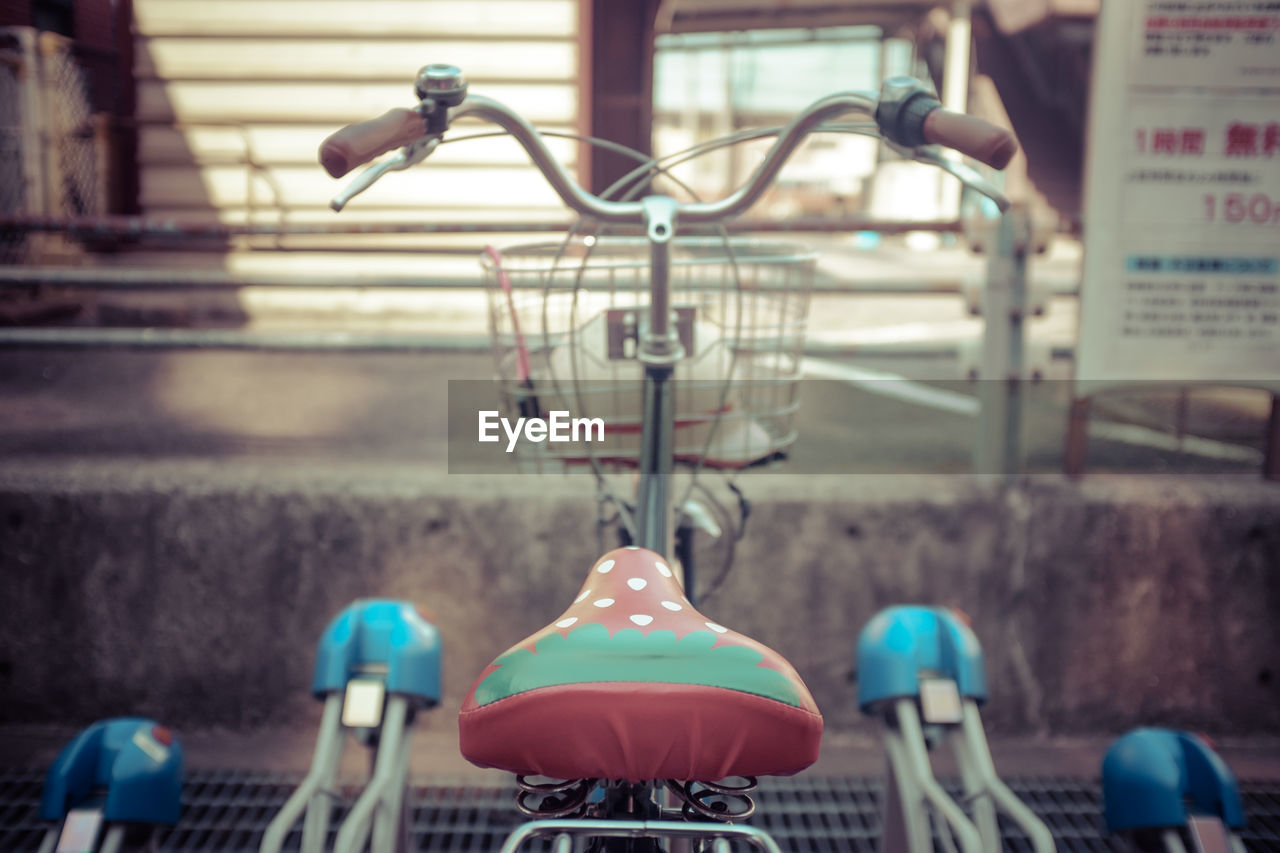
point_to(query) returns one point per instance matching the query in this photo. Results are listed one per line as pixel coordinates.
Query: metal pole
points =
(1077, 442)
(236, 339)
(1271, 464)
(916, 761)
(113, 842)
(660, 350)
(973, 784)
(355, 830)
(999, 441)
(955, 80)
(138, 279)
(904, 823)
(955, 89)
(312, 795)
(656, 460)
(977, 754)
(139, 227)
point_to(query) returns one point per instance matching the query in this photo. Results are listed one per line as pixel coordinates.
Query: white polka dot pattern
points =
(626, 591)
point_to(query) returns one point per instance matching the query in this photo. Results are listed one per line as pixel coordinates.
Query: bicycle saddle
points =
(631, 682)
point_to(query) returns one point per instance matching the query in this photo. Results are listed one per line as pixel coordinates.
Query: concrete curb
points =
(194, 593)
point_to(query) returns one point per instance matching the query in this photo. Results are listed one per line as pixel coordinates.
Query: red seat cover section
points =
(631, 682)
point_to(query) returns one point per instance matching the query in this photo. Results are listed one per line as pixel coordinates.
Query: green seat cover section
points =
(589, 654)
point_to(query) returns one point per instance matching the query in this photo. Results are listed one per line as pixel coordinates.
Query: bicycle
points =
(652, 695)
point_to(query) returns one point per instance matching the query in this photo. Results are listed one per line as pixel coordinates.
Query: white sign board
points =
(1182, 197)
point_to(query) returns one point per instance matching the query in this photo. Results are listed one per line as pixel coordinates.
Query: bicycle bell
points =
(444, 84)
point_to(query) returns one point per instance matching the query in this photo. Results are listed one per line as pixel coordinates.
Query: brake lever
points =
(966, 174)
(407, 156)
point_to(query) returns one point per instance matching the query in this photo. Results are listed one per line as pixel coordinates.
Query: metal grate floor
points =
(228, 811)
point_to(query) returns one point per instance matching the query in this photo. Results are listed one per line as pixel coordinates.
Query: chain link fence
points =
(50, 150)
(14, 67)
(74, 189)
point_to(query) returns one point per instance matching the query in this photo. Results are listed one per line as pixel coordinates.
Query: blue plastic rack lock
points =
(901, 644)
(378, 639)
(1158, 778)
(130, 759)
(899, 650)
(386, 632)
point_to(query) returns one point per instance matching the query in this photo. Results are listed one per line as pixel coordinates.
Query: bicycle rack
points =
(920, 672)
(1159, 783)
(111, 786)
(378, 663)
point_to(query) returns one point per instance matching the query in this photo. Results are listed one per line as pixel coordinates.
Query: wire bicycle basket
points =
(565, 318)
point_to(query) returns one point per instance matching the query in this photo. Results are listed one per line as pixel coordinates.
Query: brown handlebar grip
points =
(359, 143)
(971, 136)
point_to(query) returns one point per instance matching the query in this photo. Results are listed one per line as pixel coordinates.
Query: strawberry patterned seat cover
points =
(631, 682)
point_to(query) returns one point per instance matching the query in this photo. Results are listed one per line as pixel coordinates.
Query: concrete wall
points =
(196, 593)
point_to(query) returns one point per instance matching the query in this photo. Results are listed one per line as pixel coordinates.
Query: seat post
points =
(656, 461)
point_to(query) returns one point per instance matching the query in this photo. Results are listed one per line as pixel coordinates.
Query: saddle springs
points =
(716, 801)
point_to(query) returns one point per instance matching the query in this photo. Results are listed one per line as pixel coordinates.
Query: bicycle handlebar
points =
(971, 136)
(905, 112)
(910, 116)
(357, 144)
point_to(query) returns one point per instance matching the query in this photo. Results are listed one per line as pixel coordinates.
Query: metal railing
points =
(134, 227)
(1005, 301)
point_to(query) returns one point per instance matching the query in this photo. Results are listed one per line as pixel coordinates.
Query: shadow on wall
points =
(195, 169)
(93, 133)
